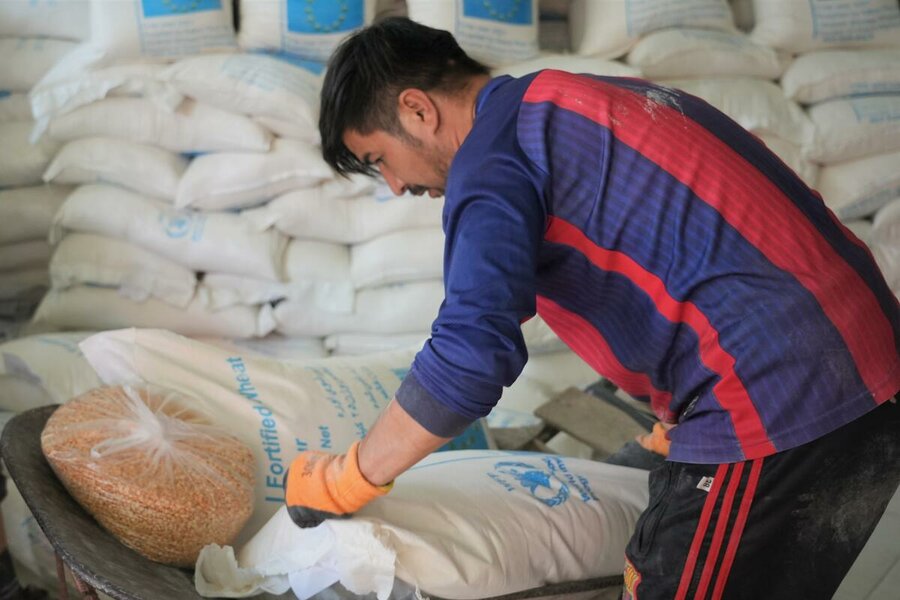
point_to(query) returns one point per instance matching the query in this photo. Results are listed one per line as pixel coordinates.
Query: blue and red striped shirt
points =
(671, 250)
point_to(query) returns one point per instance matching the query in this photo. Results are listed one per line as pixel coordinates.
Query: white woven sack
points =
(758, 106)
(145, 169)
(15, 284)
(570, 63)
(276, 407)
(310, 29)
(853, 128)
(192, 127)
(610, 28)
(23, 61)
(215, 242)
(21, 162)
(272, 346)
(829, 74)
(674, 53)
(80, 79)
(859, 188)
(14, 106)
(27, 213)
(401, 256)
(223, 290)
(792, 155)
(229, 180)
(24, 255)
(355, 344)
(130, 28)
(496, 32)
(452, 526)
(252, 84)
(398, 308)
(52, 364)
(885, 242)
(801, 26)
(62, 19)
(82, 307)
(326, 214)
(34, 558)
(85, 258)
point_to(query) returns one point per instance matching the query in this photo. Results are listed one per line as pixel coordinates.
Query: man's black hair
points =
(369, 70)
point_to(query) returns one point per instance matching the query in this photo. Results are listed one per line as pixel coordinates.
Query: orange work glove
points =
(657, 440)
(321, 486)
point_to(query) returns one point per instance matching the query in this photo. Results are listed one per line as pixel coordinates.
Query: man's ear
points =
(418, 113)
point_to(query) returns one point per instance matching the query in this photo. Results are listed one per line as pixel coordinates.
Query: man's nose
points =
(397, 186)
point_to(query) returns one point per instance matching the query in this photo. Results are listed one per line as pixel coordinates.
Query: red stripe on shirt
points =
(730, 390)
(750, 202)
(588, 343)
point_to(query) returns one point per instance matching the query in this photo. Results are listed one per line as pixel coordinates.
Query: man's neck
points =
(460, 110)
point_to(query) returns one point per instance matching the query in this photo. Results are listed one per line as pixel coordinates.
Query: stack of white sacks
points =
(34, 35)
(846, 73)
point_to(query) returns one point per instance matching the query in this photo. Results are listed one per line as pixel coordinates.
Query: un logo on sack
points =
(513, 12)
(168, 8)
(324, 16)
(542, 483)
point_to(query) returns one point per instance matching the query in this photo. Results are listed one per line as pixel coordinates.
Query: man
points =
(675, 254)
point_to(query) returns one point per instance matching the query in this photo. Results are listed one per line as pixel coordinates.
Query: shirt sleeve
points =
(494, 223)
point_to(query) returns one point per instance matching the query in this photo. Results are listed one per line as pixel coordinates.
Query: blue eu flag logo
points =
(168, 8)
(324, 16)
(514, 12)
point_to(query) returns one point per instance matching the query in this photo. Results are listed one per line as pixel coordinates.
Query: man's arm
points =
(395, 443)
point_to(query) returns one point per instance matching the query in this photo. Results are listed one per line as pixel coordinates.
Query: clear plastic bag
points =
(155, 473)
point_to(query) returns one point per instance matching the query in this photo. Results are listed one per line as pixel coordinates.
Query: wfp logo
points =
(549, 481)
(179, 225)
(514, 12)
(168, 8)
(324, 16)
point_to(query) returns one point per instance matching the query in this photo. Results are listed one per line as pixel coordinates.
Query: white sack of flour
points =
(230, 180)
(859, 188)
(215, 242)
(676, 53)
(130, 28)
(145, 169)
(451, 527)
(311, 29)
(800, 27)
(325, 214)
(401, 256)
(94, 308)
(138, 274)
(852, 128)
(758, 106)
(192, 127)
(252, 84)
(829, 74)
(610, 29)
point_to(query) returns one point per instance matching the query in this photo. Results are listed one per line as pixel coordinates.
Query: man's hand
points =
(321, 486)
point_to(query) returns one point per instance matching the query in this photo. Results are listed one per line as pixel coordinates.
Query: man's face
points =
(405, 162)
